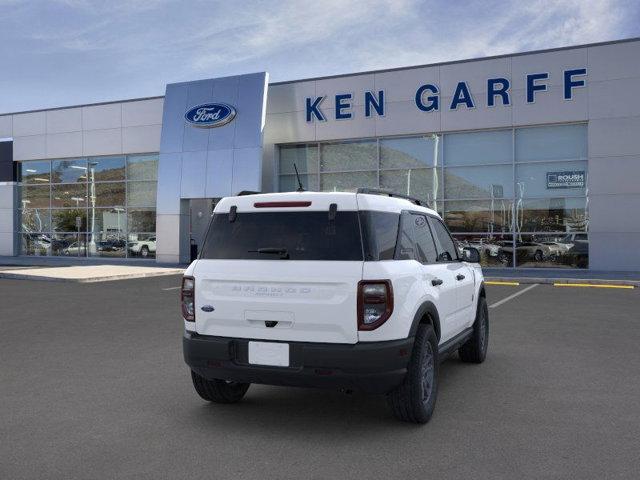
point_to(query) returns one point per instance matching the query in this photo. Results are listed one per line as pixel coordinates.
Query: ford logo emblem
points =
(210, 115)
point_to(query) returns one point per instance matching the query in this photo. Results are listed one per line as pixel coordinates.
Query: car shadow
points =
(289, 410)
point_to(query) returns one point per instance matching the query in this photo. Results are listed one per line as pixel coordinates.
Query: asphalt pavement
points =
(93, 386)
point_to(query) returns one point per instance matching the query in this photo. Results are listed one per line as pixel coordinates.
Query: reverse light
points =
(187, 299)
(375, 303)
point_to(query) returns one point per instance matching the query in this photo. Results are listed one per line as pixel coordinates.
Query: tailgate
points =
(303, 301)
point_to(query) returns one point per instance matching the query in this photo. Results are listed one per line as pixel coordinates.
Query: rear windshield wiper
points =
(284, 254)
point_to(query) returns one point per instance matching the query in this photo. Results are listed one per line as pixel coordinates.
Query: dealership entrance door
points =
(200, 211)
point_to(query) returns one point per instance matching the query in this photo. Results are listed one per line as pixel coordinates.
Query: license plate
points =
(269, 353)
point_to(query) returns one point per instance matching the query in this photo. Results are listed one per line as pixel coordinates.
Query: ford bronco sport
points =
(355, 291)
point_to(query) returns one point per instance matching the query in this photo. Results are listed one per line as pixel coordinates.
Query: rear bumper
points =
(373, 367)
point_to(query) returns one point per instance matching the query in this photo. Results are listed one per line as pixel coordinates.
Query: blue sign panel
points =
(569, 179)
(210, 115)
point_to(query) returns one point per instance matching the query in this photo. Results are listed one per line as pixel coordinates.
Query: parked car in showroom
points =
(143, 248)
(355, 291)
(525, 251)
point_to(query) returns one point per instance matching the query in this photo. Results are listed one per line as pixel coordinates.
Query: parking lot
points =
(93, 385)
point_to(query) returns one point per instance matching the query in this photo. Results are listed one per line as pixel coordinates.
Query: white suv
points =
(355, 291)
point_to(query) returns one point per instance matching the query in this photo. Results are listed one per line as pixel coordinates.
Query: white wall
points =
(108, 129)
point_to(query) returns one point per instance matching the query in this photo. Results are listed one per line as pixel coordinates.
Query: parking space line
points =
(171, 288)
(511, 297)
(491, 282)
(591, 285)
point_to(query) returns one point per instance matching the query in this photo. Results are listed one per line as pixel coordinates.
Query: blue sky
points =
(66, 52)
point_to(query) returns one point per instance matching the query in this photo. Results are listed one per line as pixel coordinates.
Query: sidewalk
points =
(85, 273)
(551, 276)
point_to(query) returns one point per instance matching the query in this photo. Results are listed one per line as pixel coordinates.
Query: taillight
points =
(375, 303)
(187, 299)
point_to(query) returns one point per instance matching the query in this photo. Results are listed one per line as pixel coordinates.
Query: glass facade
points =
(518, 195)
(95, 206)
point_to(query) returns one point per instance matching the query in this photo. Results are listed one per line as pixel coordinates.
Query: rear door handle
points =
(459, 277)
(436, 281)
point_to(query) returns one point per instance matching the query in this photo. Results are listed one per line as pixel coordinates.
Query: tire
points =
(219, 391)
(415, 400)
(144, 251)
(475, 349)
(538, 256)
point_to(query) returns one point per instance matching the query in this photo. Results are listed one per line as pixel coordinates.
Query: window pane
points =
(495, 250)
(35, 196)
(289, 183)
(102, 245)
(303, 235)
(69, 195)
(65, 220)
(143, 220)
(422, 184)
(552, 215)
(35, 172)
(109, 194)
(556, 251)
(338, 157)
(479, 216)
(478, 148)
(413, 152)
(69, 171)
(69, 245)
(35, 244)
(380, 230)
(142, 167)
(107, 223)
(141, 194)
(304, 156)
(551, 179)
(35, 220)
(142, 245)
(343, 182)
(559, 142)
(478, 182)
(107, 168)
(425, 247)
(447, 250)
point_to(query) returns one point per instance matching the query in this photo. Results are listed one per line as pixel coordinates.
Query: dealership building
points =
(534, 158)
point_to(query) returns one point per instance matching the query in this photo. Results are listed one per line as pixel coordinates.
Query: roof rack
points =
(389, 193)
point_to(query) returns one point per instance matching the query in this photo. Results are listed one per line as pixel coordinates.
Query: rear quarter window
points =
(379, 234)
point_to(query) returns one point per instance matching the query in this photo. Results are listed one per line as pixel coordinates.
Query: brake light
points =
(187, 299)
(281, 204)
(375, 303)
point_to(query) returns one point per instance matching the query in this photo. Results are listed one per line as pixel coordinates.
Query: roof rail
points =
(389, 193)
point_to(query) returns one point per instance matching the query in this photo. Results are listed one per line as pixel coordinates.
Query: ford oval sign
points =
(210, 115)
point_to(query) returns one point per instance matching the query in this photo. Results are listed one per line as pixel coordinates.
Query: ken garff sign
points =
(568, 179)
(210, 115)
(427, 96)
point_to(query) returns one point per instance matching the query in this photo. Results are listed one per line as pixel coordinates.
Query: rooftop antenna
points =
(300, 187)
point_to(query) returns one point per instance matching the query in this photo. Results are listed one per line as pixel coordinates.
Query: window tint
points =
(446, 248)
(406, 242)
(380, 232)
(425, 248)
(298, 235)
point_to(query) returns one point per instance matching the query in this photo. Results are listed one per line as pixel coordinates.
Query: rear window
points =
(284, 235)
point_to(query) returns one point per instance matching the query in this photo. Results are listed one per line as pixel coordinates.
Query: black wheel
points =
(415, 400)
(219, 391)
(538, 256)
(504, 258)
(144, 251)
(475, 349)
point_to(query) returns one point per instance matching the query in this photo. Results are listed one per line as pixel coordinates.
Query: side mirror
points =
(471, 255)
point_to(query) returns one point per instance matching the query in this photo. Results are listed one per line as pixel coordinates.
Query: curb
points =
(551, 281)
(21, 276)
